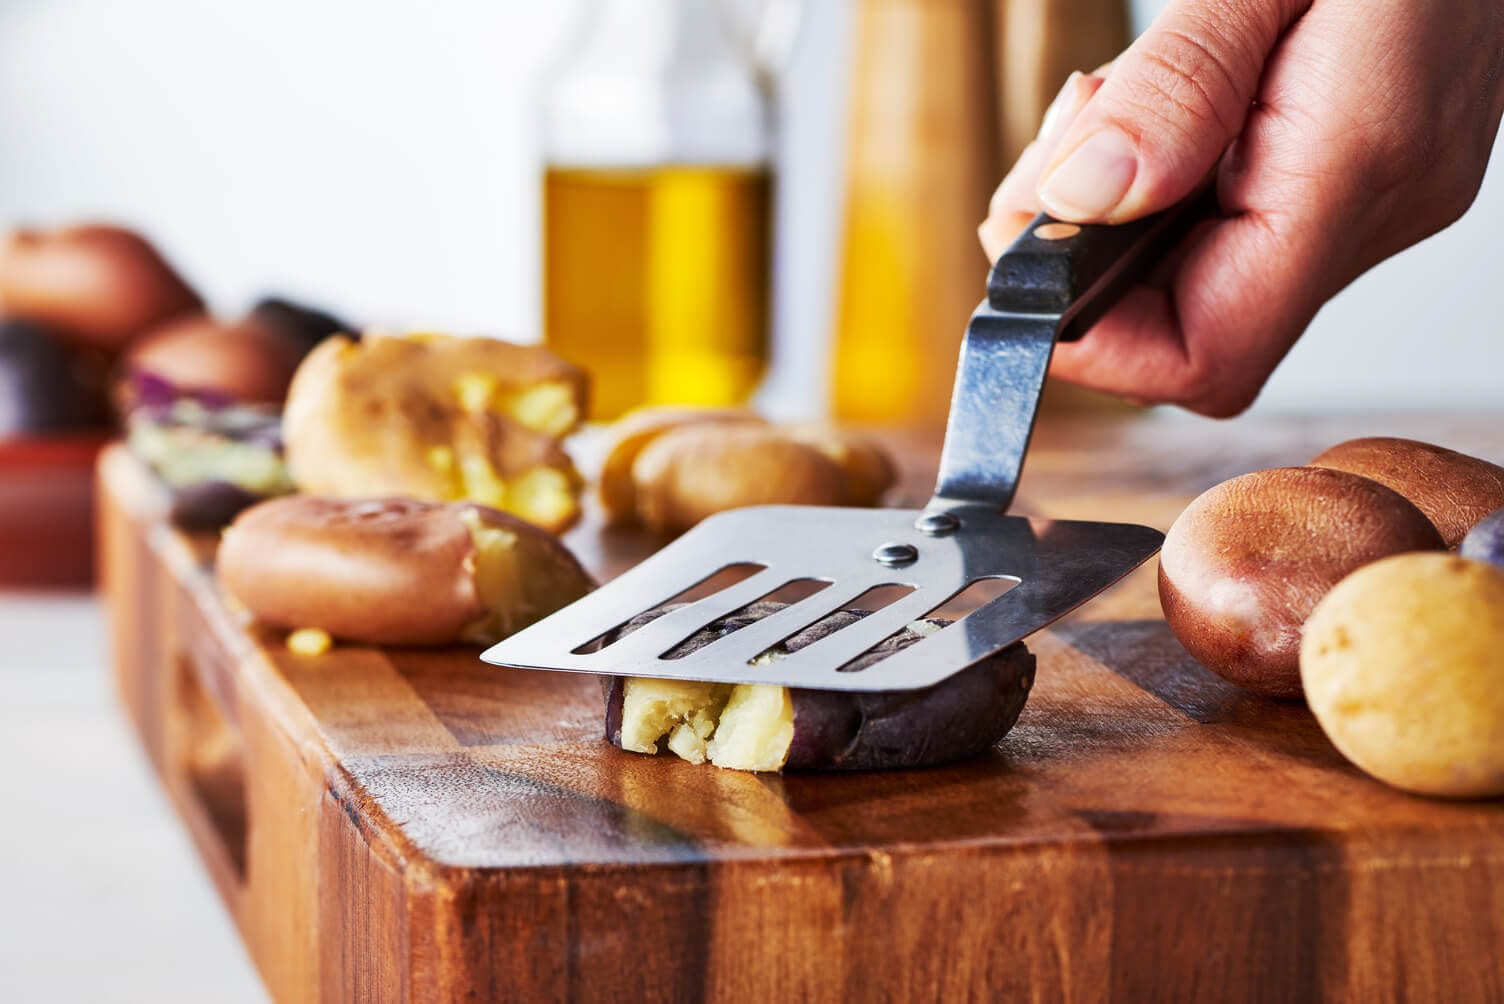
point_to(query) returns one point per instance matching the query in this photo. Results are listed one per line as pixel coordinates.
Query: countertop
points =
(103, 896)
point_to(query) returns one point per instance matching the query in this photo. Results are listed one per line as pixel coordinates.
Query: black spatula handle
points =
(1077, 272)
(1052, 285)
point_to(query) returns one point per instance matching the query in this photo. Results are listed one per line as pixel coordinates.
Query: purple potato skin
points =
(1485, 542)
(839, 730)
(304, 325)
(209, 505)
(615, 690)
(44, 388)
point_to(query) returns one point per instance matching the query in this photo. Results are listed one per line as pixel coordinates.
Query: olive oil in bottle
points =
(656, 279)
(657, 202)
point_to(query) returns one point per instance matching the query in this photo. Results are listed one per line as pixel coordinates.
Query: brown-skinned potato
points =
(696, 471)
(439, 418)
(669, 467)
(1245, 563)
(1454, 490)
(395, 571)
(631, 434)
(830, 730)
(869, 469)
(93, 284)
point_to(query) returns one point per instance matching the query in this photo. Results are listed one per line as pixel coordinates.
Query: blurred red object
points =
(47, 510)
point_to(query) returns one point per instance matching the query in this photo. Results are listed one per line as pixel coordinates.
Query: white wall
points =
(378, 157)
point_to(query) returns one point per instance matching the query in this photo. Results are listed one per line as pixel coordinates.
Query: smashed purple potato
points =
(217, 459)
(762, 727)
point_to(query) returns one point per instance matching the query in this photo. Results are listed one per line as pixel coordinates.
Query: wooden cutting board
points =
(404, 825)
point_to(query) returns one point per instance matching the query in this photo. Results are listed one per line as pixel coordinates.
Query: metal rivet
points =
(937, 524)
(894, 555)
(1056, 231)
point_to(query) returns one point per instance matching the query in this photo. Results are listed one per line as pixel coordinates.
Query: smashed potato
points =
(439, 418)
(761, 727)
(395, 571)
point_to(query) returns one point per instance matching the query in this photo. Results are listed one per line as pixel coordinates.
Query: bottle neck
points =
(660, 34)
(657, 81)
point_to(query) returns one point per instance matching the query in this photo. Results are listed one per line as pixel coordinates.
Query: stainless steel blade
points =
(1059, 565)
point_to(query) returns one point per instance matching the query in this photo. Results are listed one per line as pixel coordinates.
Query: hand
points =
(1340, 132)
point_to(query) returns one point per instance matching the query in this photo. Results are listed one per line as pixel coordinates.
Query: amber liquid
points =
(656, 281)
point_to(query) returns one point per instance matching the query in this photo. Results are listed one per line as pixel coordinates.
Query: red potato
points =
(395, 571)
(244, 363)
(93, 284)
(1244, 564)
(1454, 490)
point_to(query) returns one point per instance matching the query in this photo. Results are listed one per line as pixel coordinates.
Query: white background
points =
(380, 157)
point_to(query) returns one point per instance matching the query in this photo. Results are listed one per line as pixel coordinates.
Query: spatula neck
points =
(1004, 358)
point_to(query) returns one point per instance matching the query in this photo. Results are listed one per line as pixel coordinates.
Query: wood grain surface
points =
(415, 825)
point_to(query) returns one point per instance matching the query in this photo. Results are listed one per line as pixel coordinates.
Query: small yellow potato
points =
(632, 434)
(696, 471)
(1403, 665)
(869, 469)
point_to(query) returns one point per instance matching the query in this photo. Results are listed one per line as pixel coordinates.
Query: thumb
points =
(1169, 109)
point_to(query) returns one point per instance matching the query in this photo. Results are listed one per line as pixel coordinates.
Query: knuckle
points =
(1214, 386)
(1199, 70)
(1194, 76)
(1226, 403)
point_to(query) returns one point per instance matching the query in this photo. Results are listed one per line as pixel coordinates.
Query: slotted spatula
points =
(1052, 284)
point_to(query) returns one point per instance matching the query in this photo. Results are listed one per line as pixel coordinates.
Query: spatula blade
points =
(1058, 565)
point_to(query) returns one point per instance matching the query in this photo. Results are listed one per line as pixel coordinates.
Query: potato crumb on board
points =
(309, 641)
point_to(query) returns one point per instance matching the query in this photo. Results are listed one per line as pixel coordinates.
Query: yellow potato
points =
(632, 434)
(1403, 665)
(696, 471)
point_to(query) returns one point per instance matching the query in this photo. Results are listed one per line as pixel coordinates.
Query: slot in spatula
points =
(1051, 285)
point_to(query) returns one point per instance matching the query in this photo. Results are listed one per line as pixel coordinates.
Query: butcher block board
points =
(417, 826)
